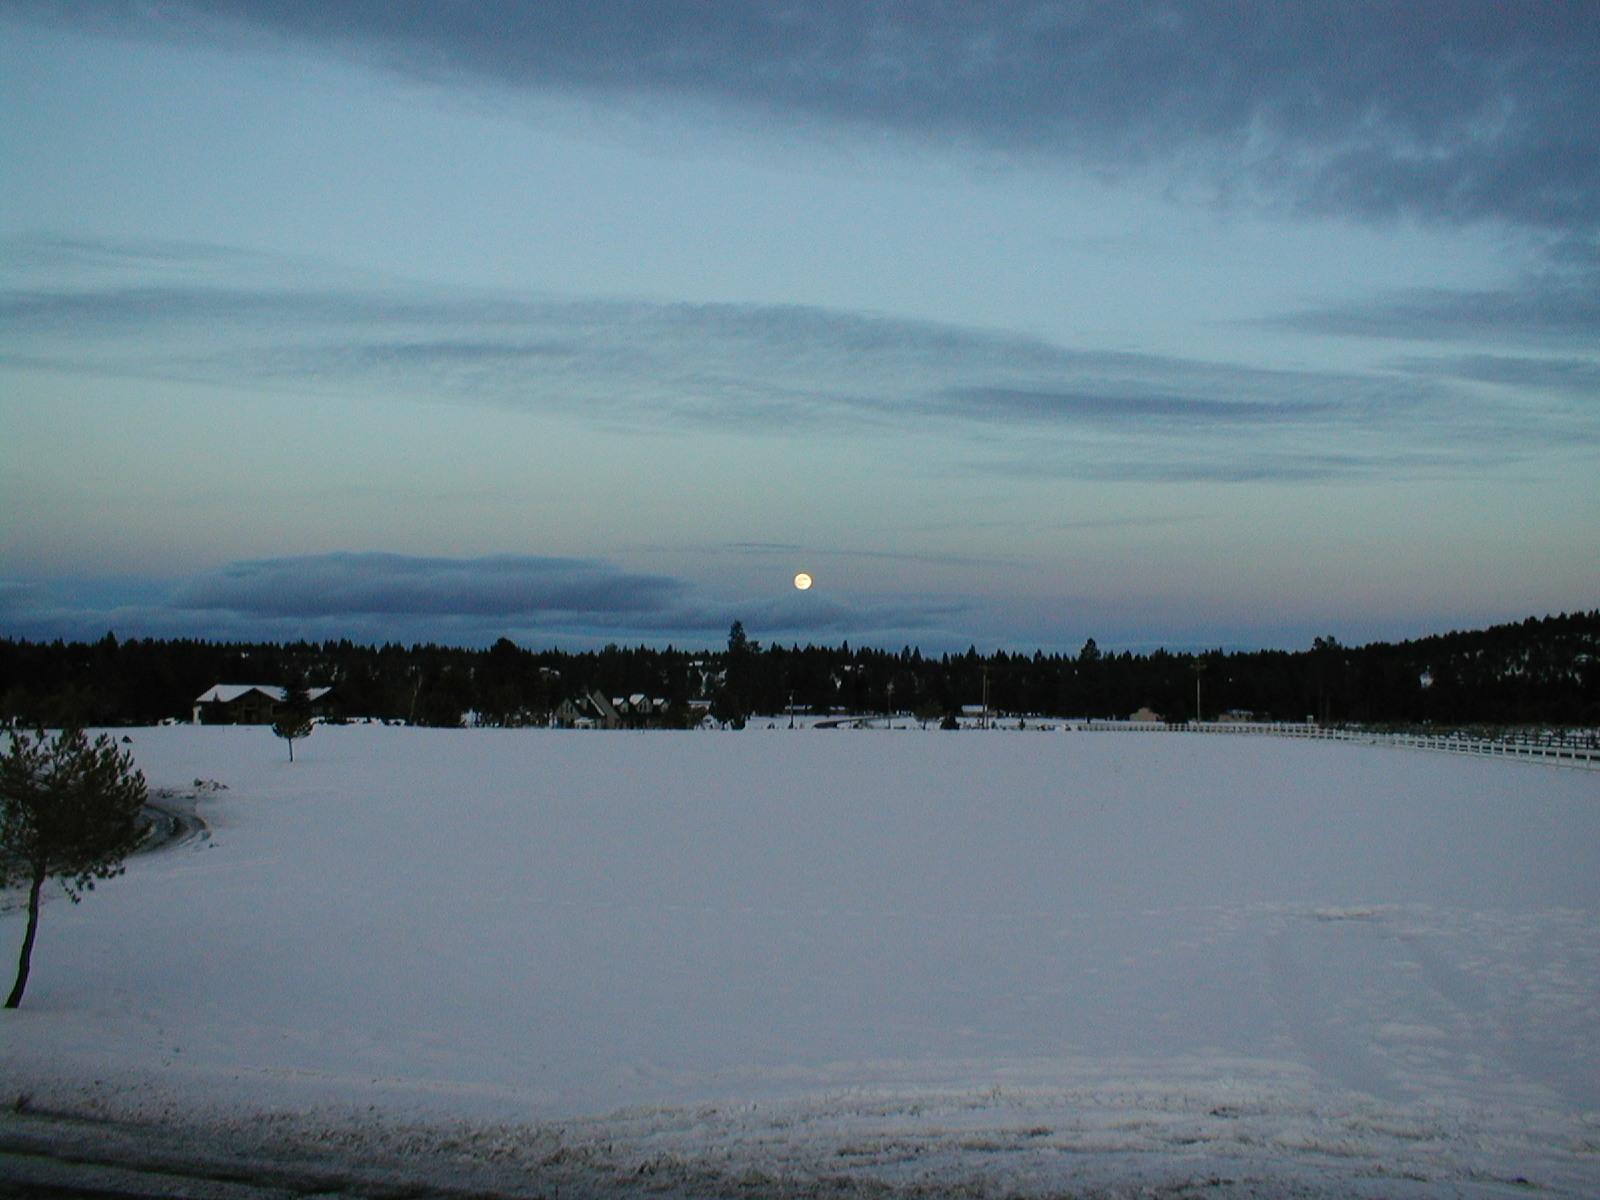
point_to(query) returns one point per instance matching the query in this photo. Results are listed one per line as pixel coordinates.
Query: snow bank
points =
(909, 958)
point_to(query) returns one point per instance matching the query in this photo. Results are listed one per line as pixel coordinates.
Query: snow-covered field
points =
(791, 963)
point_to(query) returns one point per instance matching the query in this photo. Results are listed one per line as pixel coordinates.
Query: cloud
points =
(1285, 464)
(20, 597)
(459, 351)
(177, 306)
(764, 547)
(1540, 398)
(1555, 307)
(353, 584)
(1477, 110)
(122, 307)
(724, 360)
(56, 253)
(377, 598)
(1575, 376)
(1071, 525)
(513, 591)
(813, 553)
(777, 371)
(1108, 408)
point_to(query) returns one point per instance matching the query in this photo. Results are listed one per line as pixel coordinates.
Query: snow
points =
(729, 960)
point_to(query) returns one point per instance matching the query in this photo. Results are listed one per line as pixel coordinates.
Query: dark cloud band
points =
(459, 601)
(350, 584)
(1449, 111)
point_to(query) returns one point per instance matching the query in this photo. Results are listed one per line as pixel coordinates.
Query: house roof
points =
(227, 693)
(603, 706)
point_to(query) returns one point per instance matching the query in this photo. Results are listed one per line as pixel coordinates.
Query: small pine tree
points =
(69, 810)
(293, 719)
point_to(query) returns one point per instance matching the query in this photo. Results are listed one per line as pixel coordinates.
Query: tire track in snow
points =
(1325, 1039)
(1410, 1021)
(1509, 1036)
(172, 823)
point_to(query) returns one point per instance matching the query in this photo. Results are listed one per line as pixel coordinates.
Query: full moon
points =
(802, 581)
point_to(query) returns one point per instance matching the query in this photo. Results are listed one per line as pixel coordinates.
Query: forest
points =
(1543, 670)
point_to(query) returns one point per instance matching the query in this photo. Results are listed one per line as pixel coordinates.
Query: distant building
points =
(249, 703)
(590, 711)
(639, 710)
(1146, 714)
(594, 710)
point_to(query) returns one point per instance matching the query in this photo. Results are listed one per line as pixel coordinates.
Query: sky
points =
(1013, 324)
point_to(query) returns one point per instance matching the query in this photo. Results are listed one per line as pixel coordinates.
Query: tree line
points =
(1541, 670)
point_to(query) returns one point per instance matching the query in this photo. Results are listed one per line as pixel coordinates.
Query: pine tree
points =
(732, 703)
(293, 718)
(69, 810)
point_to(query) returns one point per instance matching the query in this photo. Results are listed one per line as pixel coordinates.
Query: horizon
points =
(838, 646)
(1179, 327)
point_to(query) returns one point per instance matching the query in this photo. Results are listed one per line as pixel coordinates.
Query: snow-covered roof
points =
(227, 693)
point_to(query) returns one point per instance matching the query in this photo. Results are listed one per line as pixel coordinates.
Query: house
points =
(589, 711)
(249, 703)
(639, 710)
(568, 715)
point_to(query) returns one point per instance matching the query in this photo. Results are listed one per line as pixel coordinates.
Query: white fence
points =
(1557, 747)
(1561, 749)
